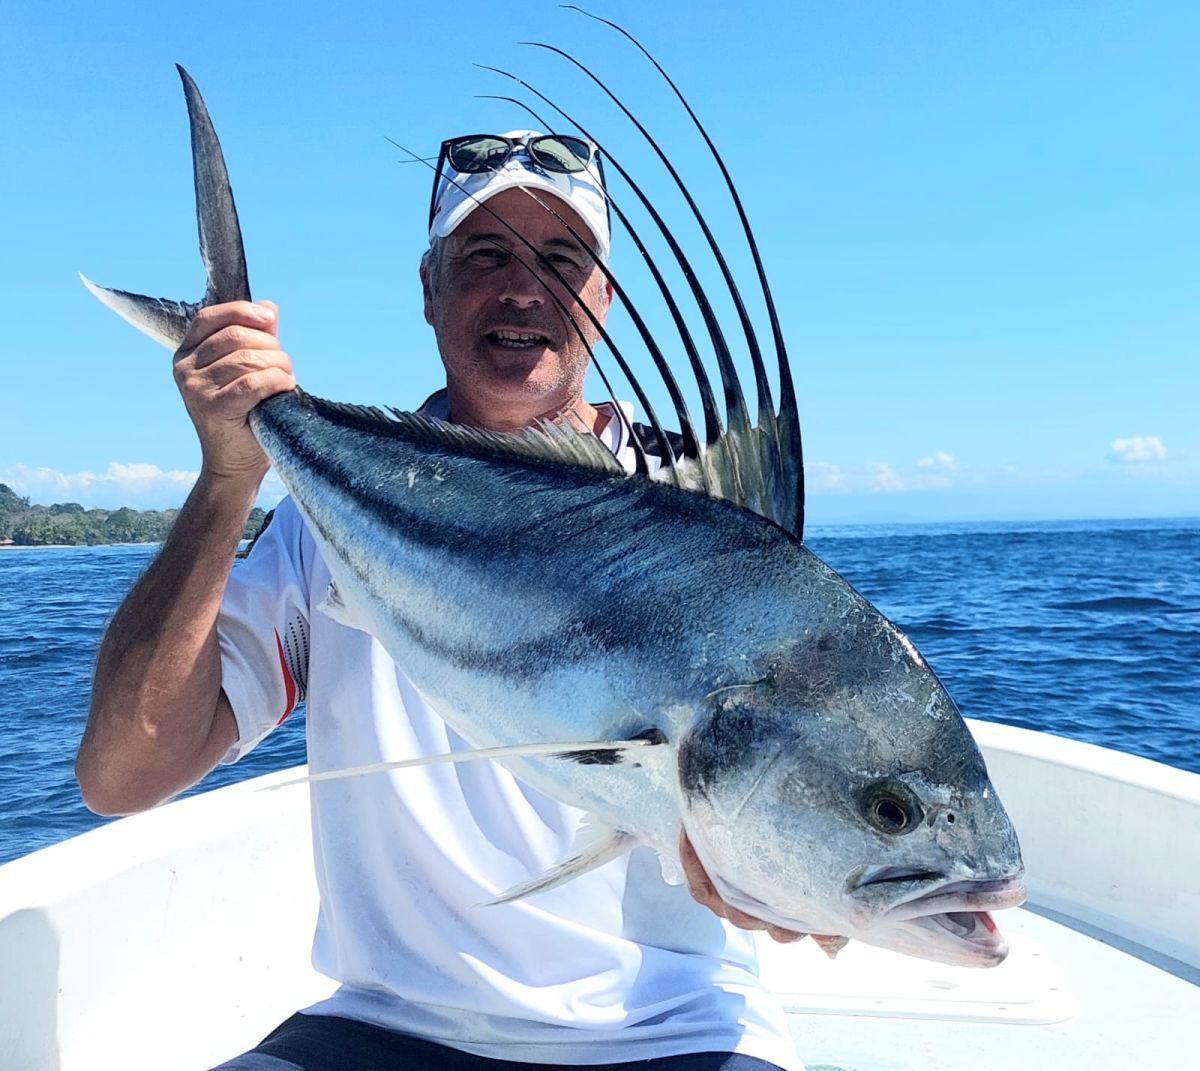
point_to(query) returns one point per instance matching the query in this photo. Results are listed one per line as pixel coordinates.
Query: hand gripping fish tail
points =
(818, 766)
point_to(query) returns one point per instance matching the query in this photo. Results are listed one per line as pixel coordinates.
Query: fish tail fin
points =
(164, 320)
(221, 248)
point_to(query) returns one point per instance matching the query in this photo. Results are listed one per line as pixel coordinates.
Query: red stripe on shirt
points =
(289, 682)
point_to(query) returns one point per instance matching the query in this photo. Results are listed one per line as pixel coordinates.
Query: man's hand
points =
(703, 890)
(228, 363)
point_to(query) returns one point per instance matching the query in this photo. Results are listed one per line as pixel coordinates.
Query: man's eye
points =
(489, 255)
(564, 262)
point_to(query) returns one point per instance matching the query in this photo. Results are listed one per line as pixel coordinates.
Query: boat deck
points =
(1063, 999)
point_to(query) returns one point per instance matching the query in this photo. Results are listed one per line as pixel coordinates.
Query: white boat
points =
(179, 937)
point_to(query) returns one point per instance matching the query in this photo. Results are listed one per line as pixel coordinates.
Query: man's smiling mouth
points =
(518, 340)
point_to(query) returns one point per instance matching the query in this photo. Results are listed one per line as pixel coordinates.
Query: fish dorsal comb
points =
(546, 442)
(754, 464)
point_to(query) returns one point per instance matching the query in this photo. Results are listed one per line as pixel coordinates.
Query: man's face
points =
(510, 351)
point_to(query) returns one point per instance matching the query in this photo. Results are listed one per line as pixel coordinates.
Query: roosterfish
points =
(670, 655)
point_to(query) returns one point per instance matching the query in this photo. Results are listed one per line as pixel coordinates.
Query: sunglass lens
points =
(561, 153)
(473, 155)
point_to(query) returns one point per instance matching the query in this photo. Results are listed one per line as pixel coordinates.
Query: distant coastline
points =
(68, 524)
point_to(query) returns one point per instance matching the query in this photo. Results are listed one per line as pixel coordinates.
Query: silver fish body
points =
(817, 764)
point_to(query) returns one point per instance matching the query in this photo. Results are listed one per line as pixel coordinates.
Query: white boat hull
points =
(181, 936)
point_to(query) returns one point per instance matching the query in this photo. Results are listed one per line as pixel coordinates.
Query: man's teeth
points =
(517, 338)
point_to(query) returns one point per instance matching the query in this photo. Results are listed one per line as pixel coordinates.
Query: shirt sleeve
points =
(263, 629)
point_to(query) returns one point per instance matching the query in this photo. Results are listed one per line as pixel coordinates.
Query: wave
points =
(937, 626)
(1125, 602)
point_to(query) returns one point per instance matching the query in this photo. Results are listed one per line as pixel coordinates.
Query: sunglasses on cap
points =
(474, 154)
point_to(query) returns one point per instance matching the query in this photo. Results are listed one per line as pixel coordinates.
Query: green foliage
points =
(10, 501)
(255, 522)
(30, 526)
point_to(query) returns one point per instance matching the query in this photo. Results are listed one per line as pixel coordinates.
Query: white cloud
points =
(137, 484)
(935, 472)
(1136, 450)
(120, 484)
(272, 491)
(886, 478)
(824, 476)
(941, 462)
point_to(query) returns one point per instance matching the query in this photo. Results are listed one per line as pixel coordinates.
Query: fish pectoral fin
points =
(334, 607)
(594, 852)
(508, 751)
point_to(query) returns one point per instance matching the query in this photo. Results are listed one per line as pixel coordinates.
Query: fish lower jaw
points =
(955, 927)
(957, 938)
(949, 923)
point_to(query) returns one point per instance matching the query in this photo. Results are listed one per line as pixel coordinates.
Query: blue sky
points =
(979, 221)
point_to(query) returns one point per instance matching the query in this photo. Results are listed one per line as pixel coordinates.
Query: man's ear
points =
(426, 289)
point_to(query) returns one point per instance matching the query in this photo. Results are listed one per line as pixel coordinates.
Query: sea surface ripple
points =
(1086, 629)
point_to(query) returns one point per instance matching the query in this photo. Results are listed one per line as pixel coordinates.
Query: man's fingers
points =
(703, 890)
(262, 315)
(743, 921)
(829, 944)
(235, 338)
(228, 363)
(699, 886)
(202, 378)
(245, 392)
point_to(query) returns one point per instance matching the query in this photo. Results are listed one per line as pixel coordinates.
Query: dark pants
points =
(327, 1043)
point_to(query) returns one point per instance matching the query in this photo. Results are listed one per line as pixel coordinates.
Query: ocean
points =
(1086, 629)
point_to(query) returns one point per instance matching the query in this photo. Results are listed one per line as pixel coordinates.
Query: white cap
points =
(460, 193)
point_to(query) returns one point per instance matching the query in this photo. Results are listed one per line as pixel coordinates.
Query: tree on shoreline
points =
(27, 525)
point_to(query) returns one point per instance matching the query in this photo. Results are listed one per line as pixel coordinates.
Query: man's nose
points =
(522, 287)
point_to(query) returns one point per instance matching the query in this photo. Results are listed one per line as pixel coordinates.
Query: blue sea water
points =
(1085, 629)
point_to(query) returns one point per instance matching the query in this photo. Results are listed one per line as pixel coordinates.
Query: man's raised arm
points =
(159, 720)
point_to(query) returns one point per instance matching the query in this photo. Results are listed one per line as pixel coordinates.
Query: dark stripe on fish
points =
(611, 756)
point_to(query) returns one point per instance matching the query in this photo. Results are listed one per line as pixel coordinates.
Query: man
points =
(198, 665)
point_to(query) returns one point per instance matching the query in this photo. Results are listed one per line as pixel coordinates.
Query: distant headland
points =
(23, 524)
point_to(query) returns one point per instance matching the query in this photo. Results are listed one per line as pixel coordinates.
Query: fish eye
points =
(891, 808)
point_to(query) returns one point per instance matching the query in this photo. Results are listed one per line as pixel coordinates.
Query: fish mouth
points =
(964, 895)
(898, 893)
(925, 913)
(952, 914)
